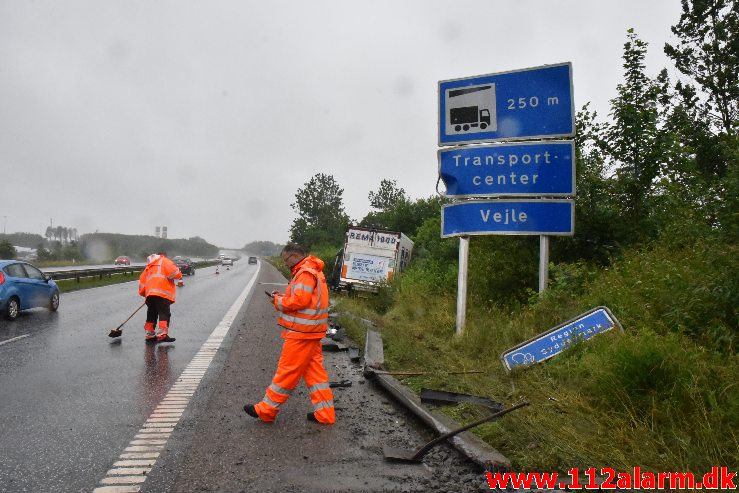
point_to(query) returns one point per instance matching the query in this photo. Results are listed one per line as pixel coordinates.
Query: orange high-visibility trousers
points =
(300, 358)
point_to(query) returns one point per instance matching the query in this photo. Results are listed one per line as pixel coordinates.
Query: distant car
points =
(122, 260)
(227, 261)
(252, 260)
(186, 266)
(23, 286)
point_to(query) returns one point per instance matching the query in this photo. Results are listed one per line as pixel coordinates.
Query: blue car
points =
(23, 286)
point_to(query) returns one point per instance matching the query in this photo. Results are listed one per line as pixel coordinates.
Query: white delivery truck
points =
(371, 257)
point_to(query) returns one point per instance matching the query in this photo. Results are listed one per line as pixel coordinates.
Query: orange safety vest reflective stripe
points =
(158, 277)
(304, 306)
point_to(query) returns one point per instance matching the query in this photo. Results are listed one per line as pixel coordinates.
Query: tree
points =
(404, 215)
(7, 250)
(387, 195)
(320, 207)
(707, 118)
(708, 52)
(634, 142)
(49, 233)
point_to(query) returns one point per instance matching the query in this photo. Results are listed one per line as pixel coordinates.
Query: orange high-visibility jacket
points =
(158, 277)
(304, 306)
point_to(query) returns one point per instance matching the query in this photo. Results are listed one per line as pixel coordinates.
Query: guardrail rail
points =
(99, 272)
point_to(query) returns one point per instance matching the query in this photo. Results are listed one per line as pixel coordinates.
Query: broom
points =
(118, 331)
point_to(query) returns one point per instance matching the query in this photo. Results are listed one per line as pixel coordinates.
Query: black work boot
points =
(251, 410)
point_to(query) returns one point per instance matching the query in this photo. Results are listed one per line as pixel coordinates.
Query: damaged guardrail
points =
(470, 445)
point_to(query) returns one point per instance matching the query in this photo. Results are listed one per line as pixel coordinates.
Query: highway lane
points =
(72, 399)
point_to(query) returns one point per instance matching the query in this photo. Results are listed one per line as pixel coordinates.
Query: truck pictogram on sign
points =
(471, 108)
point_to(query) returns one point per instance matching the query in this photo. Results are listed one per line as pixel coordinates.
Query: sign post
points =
(543, 262)
(464, 255)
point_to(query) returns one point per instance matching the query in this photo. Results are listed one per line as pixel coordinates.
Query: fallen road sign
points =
(554, 341)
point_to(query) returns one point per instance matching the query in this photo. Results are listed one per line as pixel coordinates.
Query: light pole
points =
(5, 221)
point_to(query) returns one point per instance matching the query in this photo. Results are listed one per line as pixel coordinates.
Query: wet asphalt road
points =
(71, 398)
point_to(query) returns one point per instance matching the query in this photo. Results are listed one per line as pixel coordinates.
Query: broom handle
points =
(129, 318)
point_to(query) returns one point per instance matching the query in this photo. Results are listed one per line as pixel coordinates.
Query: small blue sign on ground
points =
(522, 104)
(554, 341)
(523, 169)
(508, 217)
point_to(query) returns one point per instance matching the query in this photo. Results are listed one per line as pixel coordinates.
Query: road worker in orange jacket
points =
(156, 284)
(304, 321)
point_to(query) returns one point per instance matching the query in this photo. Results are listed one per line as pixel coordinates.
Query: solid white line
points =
(165, 419)
(14, 339)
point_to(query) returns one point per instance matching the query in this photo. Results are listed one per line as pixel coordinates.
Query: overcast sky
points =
(208, 116)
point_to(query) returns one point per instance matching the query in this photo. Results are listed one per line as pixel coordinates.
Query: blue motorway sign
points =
(524, 169)
(554, 341)
(508, 217)
(522, 104)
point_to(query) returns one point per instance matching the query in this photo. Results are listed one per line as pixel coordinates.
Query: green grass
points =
(663, 395)
(67, 285)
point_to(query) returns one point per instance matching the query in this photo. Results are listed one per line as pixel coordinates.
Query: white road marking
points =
(123, 480)
(122, 471)
(129, 463)
(141, 454)
(118, 489)
(14, 339)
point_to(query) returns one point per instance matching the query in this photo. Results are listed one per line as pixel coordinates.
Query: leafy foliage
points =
(708, 52)
(321, 217)
(107, 246)
(404, 215)
(387, 195)
(7, 251)
(27, 240)
(263, 248)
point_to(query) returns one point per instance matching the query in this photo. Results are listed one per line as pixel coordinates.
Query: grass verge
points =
(664, 395)
(67, 285)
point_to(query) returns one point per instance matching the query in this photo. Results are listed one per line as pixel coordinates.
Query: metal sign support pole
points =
(464, 254)
(543, 262)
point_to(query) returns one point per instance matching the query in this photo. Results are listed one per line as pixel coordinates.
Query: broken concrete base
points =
(470, 445)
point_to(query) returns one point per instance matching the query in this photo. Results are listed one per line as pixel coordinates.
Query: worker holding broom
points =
(156, 284)
(304, 320)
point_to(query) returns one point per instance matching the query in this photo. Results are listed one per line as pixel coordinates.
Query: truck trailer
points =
(370, 257)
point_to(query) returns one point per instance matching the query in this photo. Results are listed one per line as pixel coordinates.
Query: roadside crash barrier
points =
(468, 444)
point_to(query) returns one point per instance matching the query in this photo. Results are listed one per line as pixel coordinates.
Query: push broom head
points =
(115, 333)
